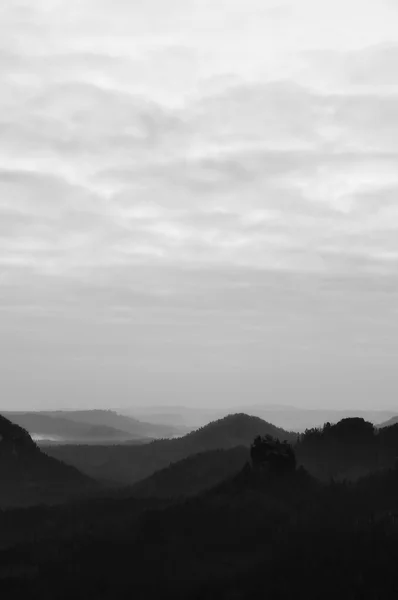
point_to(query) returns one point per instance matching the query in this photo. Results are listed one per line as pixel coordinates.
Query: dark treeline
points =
(348, 449)
(316, 518)
(288, 533)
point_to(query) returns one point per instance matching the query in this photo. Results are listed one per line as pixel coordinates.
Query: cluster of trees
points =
(273, 455)
(290, 533)
(347, 450)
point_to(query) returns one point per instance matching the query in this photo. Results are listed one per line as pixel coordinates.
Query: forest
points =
(312, 514)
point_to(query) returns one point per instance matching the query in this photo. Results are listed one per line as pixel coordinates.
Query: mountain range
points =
(127, 464)
(90, 426)
(291, 418)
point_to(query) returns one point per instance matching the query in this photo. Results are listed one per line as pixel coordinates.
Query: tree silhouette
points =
(271, 454)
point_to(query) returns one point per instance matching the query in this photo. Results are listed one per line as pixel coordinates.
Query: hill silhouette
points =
(137, 429)
(221, 544)
(349, 449)
(192, 475)
(234, 430)
(277, 530)
(128, 464)
(28, 476)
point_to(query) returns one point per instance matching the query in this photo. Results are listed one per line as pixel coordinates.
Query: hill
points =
(192, 475)
(233, 430)
(301, 419)
(137, 429)
(64, 430)
(389, 423)
(28, 476)
(92, 426)
(128, 464)
(287, 417)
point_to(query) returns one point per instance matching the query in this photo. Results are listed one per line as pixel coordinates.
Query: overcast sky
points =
(198, 202)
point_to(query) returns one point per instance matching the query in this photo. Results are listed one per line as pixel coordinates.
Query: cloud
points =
(202, 174)
(365, 68)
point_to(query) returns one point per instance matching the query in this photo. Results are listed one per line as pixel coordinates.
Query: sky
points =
(198, 203)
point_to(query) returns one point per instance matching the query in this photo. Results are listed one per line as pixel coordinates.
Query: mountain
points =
(285, 416)
(92, 426)
(192, 475)
(128, 464)
(137, 429)
(29, 476)
(61, 429)
(299, 419)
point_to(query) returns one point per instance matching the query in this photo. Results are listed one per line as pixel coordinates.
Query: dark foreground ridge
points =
(271, 527)
(28, 476)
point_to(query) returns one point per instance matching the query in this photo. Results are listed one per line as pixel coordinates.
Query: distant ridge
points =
(389, 423)
(286, 416)
(128, 464)
(299, 419)
(90, 426)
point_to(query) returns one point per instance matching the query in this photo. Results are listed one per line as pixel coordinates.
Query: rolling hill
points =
(193, 474)
(287, 417)
(136, 428)
(128, 464)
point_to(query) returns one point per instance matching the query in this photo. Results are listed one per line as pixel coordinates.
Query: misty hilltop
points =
(127, 464)
(233, 430)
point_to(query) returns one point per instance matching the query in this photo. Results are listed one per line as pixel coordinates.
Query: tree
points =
(271, 454)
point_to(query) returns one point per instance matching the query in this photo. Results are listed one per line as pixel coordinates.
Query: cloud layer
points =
(185, 178)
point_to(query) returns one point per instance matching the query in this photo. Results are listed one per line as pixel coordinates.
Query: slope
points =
(389, 423)
(128, 464)
(28, 476)
(109, 418)
(63, 429)
(192, 475)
